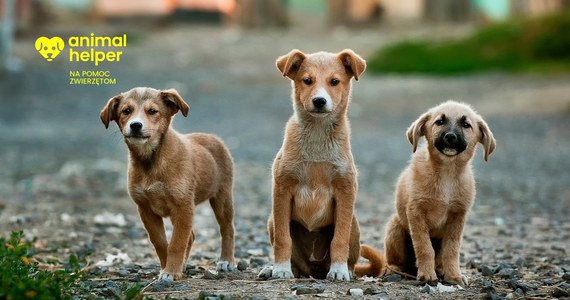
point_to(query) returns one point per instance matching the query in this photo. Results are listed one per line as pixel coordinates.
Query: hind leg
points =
(395, 245)
(223, 208)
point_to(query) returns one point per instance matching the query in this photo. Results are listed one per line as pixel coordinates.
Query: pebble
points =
(507, 273)
(526, 287)
(488, 287)
(210, 296)
(355, 292)
(488, 270)
(258, 262)
(427, 289)
(182, 287)
(393, 278)
(521, 262)
(372, 291)
(210, 276)
(242, 265)
(566, 276)
(301, 289)
(559, 293)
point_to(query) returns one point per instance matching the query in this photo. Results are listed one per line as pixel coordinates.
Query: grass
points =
(532, 45)
(23, 277)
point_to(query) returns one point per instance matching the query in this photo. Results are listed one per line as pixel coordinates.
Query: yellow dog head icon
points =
(49, 48)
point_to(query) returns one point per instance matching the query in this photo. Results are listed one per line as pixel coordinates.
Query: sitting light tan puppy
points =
(435, 192)
(169, 173)
(312, 227)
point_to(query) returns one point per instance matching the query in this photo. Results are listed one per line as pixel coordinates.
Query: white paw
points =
(165, 277)
(282, 271)
(224, 266)
(339, 272)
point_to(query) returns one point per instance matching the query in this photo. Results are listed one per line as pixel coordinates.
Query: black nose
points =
(136, 126)
(450, 137)
(319, 102)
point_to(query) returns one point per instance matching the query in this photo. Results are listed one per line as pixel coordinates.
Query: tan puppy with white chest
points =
(312, 226)
(170, 173)
(435, 192)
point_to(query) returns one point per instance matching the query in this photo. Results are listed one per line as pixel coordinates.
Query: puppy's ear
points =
(109, 112)
(353, 63)
(60, 44)
(174, 100)
(40, 43)
(290, 63)
(487, 139)
(417, 130)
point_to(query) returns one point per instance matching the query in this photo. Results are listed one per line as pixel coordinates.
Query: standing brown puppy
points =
(312, 226)
(169, 173)
(435, 192)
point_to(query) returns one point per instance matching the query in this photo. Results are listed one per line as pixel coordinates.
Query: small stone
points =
(393, 278)
(242, 265)
(355, 292)
(559, 293)
(507, 273)
(488, 287)
(257, 262)
(426, 289)
(487, 270)
(160, 286)
(566, 276)
(519, 292)
(372, 291)
(209, 275)
(526, 287)
(521, 262)
(472, 264)
(306, 291)
(182, 287)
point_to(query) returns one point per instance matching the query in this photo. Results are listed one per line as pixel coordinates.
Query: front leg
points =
(279, 231)
(450, 246)
(181, 218)
(344, 190)
(154, 227)
(419, 233)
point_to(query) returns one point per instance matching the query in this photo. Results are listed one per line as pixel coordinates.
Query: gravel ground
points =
(63, 176)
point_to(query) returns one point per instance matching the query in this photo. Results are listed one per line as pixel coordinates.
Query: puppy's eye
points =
(152, 111)
(335, 82)
(439, 122)
(126, 111)
(466, 125)
(308, 81)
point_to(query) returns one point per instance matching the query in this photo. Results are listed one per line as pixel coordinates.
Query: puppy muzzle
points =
(451, 143)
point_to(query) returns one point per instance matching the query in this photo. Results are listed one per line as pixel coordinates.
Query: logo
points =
(49, 48)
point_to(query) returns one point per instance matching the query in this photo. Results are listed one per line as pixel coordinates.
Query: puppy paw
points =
(427, 276)
(460, 280)
(224, 266)
(339, 272)
(165, 277)
(282, 271)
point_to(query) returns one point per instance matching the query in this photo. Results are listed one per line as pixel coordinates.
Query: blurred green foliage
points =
(535, 45)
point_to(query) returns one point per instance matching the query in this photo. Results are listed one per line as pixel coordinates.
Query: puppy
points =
(312, 227)
(434, 193)
(169, 173)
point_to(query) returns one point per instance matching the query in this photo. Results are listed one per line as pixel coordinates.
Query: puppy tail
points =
(376, 266)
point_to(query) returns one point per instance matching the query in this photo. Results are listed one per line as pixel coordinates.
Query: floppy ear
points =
(109, 112)
(352, 62)
(39, 43)
(487, 139)
(60, 44)
(417, 130)
(173, 99)
(290, 63)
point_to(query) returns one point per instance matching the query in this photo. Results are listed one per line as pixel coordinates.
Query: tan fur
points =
(169, 173)
(312, 225)
(434, 194)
